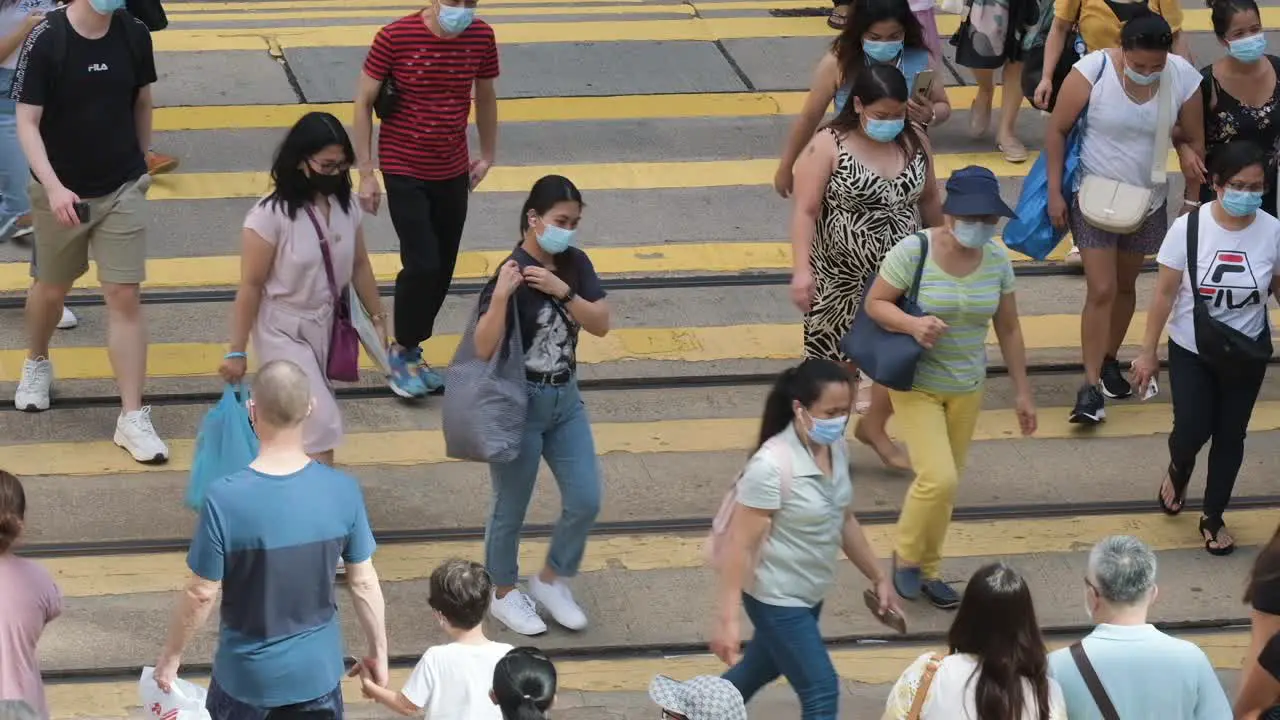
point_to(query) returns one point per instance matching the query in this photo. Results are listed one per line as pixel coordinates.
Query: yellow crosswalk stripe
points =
(523, 110)
(870, 664)
(587, 176)
(682, 344)
(423, 447)
(642, 260)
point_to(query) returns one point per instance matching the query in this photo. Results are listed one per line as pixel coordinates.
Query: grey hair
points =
(1122, 569)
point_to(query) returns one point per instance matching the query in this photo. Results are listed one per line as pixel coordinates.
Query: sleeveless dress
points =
(863, 215)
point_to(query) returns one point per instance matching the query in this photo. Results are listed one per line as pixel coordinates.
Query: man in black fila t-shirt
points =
(83, 88)
(429, 63)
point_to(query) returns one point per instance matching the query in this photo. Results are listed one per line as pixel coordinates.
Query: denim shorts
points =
(222, 706)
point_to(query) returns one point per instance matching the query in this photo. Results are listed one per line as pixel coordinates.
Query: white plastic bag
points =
(185, 702)
(369, 337)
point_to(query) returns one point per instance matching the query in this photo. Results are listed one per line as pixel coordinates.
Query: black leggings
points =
(1210, 402)
(428, 216)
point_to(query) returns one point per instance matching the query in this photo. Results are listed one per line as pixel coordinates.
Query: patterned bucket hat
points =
(705, 697)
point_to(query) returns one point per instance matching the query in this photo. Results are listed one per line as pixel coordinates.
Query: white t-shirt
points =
(955, 687)
(12, 16)
(1235, 268)
(1120, 135)
(452, 682)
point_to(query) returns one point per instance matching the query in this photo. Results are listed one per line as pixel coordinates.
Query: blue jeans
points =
(222, 706)
(558, 430)
(787, 642)
(14, 172)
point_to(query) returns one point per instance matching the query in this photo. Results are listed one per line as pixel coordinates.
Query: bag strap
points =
(1164, 122)
(1193, 251)
(914, 292)
(324, 252)
(922, 690)
(1094, 684)
(781, 454)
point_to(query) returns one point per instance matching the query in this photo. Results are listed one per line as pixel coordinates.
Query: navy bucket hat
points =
(974, 192)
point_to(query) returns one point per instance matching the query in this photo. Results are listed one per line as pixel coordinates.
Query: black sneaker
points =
(940, 594)
(1089, 408)
(1114, 384)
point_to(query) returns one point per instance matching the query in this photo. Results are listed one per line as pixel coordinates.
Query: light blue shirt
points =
(1146, 673)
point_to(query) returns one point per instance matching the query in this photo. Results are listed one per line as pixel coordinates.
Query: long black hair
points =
(549, 191)
(847, 47)
(1222, 12)
(1147, 32)
(872, 83)
(524, 684)
(1227, 160)
(803, 383)
(291, 188)
(997, 623)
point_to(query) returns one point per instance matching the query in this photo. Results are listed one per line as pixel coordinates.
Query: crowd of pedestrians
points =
(882, 254)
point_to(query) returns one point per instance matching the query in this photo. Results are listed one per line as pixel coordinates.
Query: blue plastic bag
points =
(226, 444)
(1030, 232)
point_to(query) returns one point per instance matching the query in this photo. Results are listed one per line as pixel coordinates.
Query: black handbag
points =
(387, 100)
(887, 357)
(150, 12)
(1217, 342)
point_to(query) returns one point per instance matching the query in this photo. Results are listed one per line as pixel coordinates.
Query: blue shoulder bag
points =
(889, 358)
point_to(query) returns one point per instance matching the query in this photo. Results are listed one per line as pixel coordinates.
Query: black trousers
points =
(1211, 402)
(428, 216)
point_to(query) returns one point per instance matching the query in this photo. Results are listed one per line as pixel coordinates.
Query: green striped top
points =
(958, 361)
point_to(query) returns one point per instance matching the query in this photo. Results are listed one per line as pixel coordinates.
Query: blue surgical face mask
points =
(884, 130)
(973, 234)
(882, 50)
(827, 431)
(106, 7)
(454, 20)
(555, 239)
(1248, 49)
(1139, 78)
(1241, 203)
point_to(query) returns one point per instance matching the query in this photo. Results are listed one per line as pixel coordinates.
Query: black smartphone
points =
(890, 617)
(352, 666)
(82, 211)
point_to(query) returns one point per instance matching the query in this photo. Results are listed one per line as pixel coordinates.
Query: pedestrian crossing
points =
(667, 453)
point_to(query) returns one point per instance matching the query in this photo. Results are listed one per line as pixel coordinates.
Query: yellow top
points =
(1100, 27)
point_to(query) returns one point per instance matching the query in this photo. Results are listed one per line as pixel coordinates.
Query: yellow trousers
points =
(937, 428)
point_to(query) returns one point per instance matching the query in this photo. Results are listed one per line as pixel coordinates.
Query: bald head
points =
(281, 395)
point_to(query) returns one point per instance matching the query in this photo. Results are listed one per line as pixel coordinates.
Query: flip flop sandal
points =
(863, 402)
(979, 121)
(1014, 153)
(1214, 527)
(1179, 492)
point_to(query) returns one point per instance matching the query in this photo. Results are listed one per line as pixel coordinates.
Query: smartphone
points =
(891, 618)
(923, 84)
(1152, 390)
(82, 211)
(352, 666)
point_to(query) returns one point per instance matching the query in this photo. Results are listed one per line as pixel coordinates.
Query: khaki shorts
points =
(116, 234)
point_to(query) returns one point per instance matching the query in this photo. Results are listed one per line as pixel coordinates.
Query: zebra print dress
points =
(863, 215)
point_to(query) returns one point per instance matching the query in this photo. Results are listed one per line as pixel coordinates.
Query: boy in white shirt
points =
(451, 682)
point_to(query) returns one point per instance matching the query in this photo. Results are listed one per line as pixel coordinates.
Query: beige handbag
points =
(1119, 207)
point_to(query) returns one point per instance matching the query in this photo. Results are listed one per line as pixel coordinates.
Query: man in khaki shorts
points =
(83, 88)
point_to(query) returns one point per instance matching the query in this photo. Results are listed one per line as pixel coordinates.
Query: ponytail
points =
(524, 684)
(803, 383)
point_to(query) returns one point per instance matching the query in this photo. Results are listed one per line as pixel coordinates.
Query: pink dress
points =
(30, 601)
(296, 314)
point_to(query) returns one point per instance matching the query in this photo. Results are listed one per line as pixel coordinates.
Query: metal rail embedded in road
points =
(978, 513)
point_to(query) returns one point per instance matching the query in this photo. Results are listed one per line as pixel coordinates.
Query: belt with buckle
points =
(556, 378)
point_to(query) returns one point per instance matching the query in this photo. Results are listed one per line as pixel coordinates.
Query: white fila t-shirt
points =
(1234, 268)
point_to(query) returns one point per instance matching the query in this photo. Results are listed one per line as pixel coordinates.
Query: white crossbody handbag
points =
(1120, 207)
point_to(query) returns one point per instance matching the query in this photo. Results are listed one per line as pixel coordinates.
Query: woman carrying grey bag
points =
(555, 292)
(485, 408)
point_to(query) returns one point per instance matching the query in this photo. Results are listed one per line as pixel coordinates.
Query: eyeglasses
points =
(330, 168)
(1157, 39)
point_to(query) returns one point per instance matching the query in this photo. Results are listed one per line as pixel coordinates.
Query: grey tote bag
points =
(485, 401)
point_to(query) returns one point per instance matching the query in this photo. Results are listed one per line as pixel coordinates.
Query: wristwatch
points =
(568, 297)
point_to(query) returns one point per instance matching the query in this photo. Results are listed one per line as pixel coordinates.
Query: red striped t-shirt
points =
(426, 137)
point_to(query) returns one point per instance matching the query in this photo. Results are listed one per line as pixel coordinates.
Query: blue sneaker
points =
(942, 595)
(906, 581)
(431, 380)
(404, 380)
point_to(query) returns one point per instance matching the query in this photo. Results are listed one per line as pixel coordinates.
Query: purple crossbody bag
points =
(344, 341)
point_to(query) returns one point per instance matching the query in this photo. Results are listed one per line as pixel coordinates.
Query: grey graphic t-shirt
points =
(549, 334)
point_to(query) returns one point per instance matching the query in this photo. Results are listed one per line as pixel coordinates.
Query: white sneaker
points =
(558, 600)
(135, 433)
(1073, 255)
(68, 320)
(33, 389)
(517, 611)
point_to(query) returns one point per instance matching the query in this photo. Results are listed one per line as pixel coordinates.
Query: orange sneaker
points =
(22, 230)
(159, 163)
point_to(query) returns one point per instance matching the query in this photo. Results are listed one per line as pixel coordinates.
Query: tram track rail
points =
(15, 301)
(200, 671)
(655, 526)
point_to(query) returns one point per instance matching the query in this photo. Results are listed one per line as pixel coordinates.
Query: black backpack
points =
(150, 12)
(59, 26)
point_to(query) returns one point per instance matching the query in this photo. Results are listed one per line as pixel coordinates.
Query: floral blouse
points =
(953, 690)
(1227, 119)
